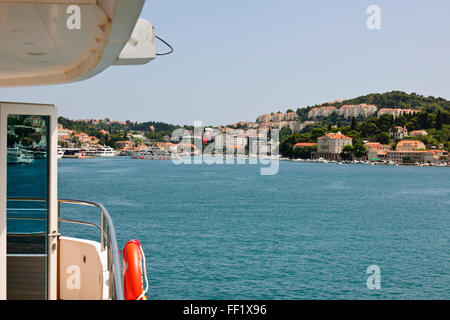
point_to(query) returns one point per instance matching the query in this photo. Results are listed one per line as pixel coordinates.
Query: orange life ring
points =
(132, 270)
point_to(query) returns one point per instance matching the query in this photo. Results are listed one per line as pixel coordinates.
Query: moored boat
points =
(17, 155)
(105, 151)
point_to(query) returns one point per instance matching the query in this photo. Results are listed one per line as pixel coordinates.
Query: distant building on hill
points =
(346, 111)
(418, 133)
(264, 118)
(410, 145)
(321, 112)
(398, 132)
(397, 112)
(360, 110)
(277, 117)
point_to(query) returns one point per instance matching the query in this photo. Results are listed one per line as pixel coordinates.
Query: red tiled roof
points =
(336, 136)
(305, 144)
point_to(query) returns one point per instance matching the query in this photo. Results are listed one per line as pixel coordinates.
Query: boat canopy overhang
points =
(46, 42)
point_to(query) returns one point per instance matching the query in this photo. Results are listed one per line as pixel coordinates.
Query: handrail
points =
(111, 233)
(60, 220)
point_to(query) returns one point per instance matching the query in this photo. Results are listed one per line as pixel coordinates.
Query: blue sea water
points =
(309, 232)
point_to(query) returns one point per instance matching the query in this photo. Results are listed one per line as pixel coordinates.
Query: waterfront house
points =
(413, 156)
(330, 146)
(439, 154)
(376, 151)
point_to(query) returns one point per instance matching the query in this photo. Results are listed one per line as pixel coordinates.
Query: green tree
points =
(346, 153)
(12, 140)
(303, 153)
(423, 120)
(369, 129)
(318, 132)
(353, 124)
(439, 120)
(385, 122)
(286, 149)
(359, 150)
(383, 138)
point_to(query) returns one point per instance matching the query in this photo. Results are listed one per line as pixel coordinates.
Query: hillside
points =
(399, 99)
(434, 118)
(391, 100)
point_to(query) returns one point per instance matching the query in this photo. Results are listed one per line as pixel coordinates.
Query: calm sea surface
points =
(309, 232)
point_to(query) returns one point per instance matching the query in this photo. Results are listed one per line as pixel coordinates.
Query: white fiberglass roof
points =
(56, 41)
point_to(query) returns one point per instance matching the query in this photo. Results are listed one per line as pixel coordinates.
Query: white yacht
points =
(60, 152)
(105, 151)
(17, 155)
(55, 42)
(152, 153)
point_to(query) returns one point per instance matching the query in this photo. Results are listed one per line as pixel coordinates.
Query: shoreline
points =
(289, 160)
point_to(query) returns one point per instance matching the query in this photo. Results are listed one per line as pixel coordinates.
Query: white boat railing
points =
(108, 238)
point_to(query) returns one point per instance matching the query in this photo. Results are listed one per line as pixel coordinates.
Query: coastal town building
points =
(264, 118)
(376, 151)
(321, 112)
(412, 156)
(439, 154)
(330, 146)
(276, 117)
(167, 146)
(304, 145)
(410, 145)
(360, 110)
(346, 111)
(63, 132)
(291, 116)
(259, 147)
(398, 132)
(124, 145)
(397, 112)
(418, 133)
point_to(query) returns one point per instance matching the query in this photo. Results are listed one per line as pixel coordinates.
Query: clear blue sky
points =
(235, 60)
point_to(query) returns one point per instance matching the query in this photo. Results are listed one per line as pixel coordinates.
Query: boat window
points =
(27, 193)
